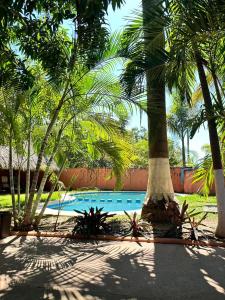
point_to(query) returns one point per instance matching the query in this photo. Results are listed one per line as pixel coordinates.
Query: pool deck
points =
(54, 212)
(64, 269)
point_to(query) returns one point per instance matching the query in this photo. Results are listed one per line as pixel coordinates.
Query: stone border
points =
(120, 239)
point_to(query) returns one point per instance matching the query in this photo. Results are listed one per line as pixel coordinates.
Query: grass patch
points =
(6, 202)
(197, 202)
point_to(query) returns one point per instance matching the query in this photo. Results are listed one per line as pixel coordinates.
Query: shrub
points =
(186, 217)
(136, 225)
(92, 222)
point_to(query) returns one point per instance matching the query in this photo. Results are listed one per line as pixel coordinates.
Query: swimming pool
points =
(110, 201)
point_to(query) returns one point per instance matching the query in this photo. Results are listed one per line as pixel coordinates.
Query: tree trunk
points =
(18, 190)
(27, 217)
(39, 217)
(28, 167)
(188, 147)
(40, 191)
(46, 174)
(215, 146)
(183, 151)
(160, 188)
(11, 180)
(215, 81)
(59, 210)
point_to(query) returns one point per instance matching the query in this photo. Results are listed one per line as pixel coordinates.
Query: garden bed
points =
(119, 226)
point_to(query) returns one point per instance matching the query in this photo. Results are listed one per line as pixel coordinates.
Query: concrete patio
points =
(53, 268)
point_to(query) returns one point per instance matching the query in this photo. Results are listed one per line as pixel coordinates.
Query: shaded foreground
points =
(53, 268)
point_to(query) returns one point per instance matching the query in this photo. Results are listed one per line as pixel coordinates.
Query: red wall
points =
(134, 180)
(176, 179)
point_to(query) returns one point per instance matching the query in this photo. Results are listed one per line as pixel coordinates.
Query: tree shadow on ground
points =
(51, 268)
(162, 272)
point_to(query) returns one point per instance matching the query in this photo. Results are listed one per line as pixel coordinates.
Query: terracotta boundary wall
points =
(133, 180)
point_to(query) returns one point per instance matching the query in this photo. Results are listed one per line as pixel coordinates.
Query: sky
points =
(116, 22)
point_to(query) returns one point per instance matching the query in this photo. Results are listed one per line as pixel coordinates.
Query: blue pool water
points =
(110, 201)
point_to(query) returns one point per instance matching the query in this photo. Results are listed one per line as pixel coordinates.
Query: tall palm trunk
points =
(183, 151)
(216, 85)
(160, 188)
(46, 173)
(18, 189)
(28, 166)
(39, 217)
(188, 146)
(11, 180)
(215, 146)
(27, 217)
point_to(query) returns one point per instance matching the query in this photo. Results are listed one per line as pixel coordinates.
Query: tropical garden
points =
(63, 99)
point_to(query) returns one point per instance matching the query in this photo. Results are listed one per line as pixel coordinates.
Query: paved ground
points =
(52, 268)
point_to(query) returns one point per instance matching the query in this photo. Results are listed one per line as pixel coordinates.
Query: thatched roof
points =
(20, 161)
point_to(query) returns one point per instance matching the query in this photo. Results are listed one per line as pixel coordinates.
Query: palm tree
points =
(191, 39)
(94, 104)
(57, 53)
(144, 45)
(11, 100)
(186, 49)
(159, 189)
(178, 123)
(204, 172)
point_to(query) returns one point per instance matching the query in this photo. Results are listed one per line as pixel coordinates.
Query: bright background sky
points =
(116, 21)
